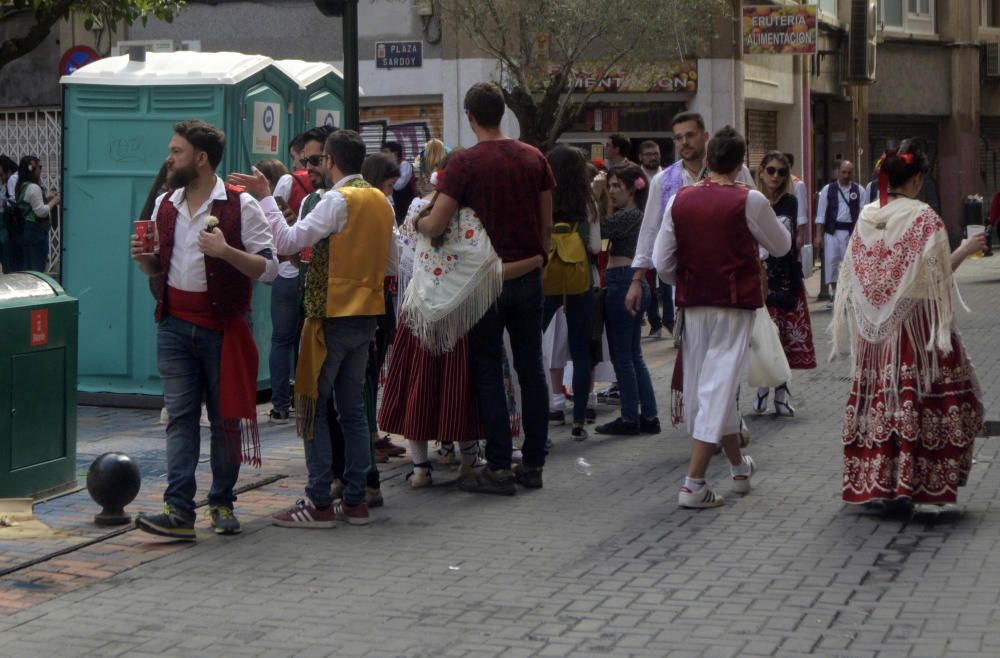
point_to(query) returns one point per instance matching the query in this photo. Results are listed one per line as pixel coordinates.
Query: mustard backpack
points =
(568, 269)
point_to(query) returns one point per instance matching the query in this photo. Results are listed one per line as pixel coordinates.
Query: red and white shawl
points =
(896, 277)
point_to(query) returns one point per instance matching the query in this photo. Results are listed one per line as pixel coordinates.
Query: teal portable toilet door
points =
(324, 109)
(265, 127)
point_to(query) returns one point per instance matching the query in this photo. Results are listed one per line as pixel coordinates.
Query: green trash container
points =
(38, 325)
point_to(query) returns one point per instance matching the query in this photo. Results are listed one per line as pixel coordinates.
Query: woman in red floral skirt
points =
(428, 393)
(914, 407)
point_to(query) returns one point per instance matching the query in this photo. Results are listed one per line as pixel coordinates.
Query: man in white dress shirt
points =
(840, 203)
(205, 349)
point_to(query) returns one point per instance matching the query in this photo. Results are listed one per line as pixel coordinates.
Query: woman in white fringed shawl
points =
(914, 407)
(446, 285)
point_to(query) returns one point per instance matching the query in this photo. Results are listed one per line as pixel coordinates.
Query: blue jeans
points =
(286, 325)
(189, 359)
(579, 320)
(519, 309)
(341, 381)
(665, 290)
(624, 333)
(34, 243)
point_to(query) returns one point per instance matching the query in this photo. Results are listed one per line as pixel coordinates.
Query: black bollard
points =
(113, 482)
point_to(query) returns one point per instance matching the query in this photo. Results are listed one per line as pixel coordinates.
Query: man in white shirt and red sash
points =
(213, 243)
(708, 247)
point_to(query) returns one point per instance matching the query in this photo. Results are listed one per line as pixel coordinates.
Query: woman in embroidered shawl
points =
(914, 407)
(428, 394)
(786, 293)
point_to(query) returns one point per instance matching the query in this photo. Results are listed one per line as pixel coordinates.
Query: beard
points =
(318, 179)
(178, 178)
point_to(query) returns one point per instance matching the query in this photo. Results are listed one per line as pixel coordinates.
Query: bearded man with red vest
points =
(708, 248)
(352, 237)
(213, 243)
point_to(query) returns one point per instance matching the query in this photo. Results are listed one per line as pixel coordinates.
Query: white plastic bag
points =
(806, 258)
(768, 364)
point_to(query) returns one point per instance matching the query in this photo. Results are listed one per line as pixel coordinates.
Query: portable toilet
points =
(118, 120)
(321, 93)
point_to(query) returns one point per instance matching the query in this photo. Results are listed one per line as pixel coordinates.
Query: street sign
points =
(77, 57)
(399, 54)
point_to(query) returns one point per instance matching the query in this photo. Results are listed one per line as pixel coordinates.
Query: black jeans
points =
(519, 310)
(579, 320)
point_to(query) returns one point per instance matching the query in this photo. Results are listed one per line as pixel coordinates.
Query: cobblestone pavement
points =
(592, 565)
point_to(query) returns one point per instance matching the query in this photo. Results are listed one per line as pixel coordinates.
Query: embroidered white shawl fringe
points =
(920, 306)
(440, 313)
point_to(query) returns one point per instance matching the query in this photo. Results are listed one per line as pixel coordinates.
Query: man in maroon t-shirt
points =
(509, 185)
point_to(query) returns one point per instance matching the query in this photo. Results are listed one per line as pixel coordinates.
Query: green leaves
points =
(96, 14)
(538, 42)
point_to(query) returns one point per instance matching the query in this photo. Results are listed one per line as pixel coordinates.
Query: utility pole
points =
(347, 11)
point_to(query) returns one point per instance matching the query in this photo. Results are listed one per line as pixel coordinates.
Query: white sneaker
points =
(700, 499)
(741, 483)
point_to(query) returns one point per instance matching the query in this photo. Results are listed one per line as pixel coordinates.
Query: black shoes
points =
(490, 481)
(529, 477)
(618, 427)
(649, 425)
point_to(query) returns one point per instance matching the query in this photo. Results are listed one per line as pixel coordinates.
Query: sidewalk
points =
(592, 565)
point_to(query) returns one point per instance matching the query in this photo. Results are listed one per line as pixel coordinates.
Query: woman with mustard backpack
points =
(568, 279)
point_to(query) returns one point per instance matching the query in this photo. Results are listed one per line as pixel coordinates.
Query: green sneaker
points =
(168, 524)
(224, 521)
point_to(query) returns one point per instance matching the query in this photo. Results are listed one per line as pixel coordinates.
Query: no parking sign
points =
(266, 128)
(77, 57)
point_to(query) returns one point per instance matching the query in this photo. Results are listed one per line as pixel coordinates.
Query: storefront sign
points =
(634, 78)
(399, 54)
(784, 30)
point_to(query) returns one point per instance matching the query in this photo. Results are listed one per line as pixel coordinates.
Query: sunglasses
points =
(771, 171)
(314, 160)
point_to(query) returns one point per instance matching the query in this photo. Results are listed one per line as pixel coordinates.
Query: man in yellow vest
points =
(350, 230)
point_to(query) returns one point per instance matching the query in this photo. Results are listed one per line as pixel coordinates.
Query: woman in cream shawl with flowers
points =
(914, 407)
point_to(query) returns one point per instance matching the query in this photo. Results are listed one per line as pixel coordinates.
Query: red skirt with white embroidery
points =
(795, 331)
(923, 451)
(428, 397)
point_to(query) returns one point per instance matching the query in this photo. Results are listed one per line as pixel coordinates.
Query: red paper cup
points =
(144, 230)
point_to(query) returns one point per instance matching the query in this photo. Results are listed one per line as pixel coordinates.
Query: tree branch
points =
(45, 17)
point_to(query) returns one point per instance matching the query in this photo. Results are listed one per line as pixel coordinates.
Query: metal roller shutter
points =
(762, 136)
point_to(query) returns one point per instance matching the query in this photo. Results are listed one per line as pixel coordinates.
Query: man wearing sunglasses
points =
(840, 203)
(298, 192)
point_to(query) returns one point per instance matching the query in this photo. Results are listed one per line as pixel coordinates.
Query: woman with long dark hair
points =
(574, 211)
(914, 408)
(37, 212)
(627, 188)
(786, 292)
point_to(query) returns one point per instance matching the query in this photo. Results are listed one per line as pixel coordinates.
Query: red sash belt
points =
(238, 370)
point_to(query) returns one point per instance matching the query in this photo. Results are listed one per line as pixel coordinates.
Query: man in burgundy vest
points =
(213, 242)
(707, 247)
